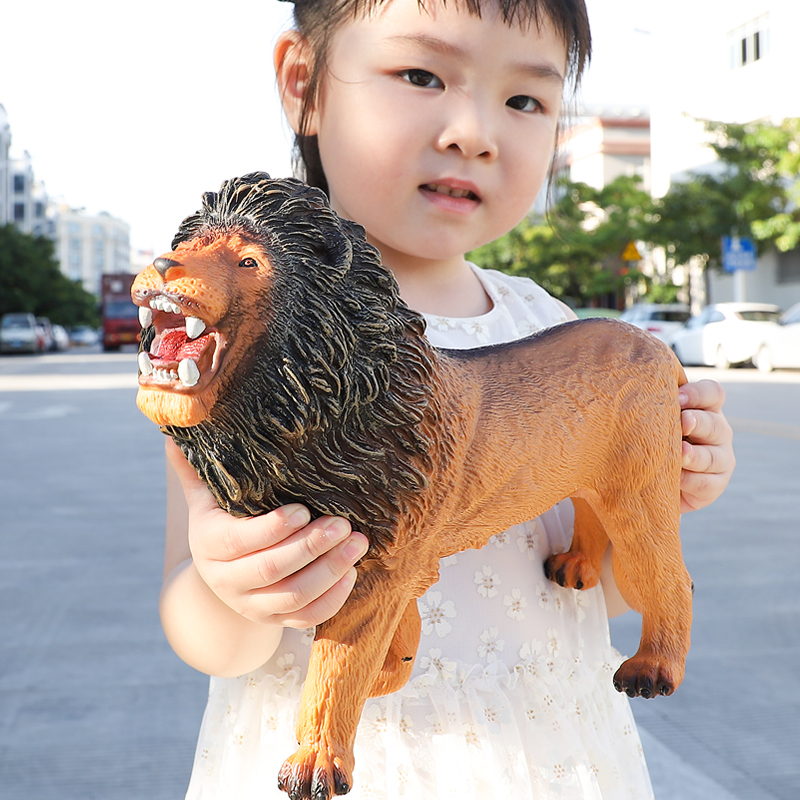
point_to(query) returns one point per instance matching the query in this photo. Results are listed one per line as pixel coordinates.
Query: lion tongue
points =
(175, 345)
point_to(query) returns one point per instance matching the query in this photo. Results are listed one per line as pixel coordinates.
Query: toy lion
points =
(280, 358)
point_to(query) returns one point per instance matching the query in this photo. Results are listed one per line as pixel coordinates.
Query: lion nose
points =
(163, 264)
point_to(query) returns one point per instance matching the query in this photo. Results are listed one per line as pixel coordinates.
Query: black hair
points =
(318, 20)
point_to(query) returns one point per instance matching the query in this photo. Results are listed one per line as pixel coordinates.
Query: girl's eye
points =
(248, 263)
(421, 77)
(521, 102)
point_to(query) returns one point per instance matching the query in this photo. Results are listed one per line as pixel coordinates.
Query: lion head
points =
(279, 356)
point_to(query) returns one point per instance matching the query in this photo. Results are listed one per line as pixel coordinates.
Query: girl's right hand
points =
(279, 568)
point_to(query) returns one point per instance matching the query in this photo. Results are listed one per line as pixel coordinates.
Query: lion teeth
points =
(194, 327)
(188, 372)
(161, 303)
(145, 316)
(165, 375)
(145, 365)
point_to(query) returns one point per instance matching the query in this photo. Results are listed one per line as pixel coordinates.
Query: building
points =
(86, 246)
(732, 62)
(604, 144)
(28, 199)
(89, 246)
(5, 168)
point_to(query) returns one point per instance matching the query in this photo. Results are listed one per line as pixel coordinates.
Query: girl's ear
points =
(293, 67)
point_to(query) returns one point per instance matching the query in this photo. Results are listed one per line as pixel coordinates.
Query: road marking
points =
(7, 414)
(780, 429)
(51, 383)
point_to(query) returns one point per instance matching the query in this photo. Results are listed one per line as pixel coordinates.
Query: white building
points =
(89, 246)
(730, 62)
(607, 143)
(28, 199)
(5, 168)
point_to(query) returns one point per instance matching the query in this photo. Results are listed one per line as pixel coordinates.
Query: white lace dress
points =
(511, 694)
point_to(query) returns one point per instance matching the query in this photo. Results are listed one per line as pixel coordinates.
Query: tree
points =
(575, 253)
(31, 281)
(754, 192)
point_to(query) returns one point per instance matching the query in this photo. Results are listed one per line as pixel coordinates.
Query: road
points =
(95, 705)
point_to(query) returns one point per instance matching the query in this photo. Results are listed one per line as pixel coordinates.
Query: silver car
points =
(781, 346)
(18, 334)
(725, 333)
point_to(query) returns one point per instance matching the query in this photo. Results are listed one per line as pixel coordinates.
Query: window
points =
(789, 266)
(19, 184)
(19, 212)
(749, 42)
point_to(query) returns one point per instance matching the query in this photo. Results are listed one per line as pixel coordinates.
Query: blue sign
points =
(738, 253)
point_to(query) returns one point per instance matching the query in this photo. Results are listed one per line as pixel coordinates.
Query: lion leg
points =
(346, 658)
(579, 567)
(651, 575)
(402, 651)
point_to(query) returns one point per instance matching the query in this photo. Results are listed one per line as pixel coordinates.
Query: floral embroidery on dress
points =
(478, 330)
(441, 323)
(500, 540)
(487, 581)
(516, 604)
(435, 660)
(491, 646)
(434, 615)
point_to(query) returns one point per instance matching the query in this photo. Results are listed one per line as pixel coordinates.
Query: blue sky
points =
(138, 108)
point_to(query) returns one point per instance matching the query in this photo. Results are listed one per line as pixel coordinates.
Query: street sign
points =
(631, 253)
(738, 253)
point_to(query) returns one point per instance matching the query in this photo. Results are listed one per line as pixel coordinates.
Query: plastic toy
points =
(279, 356)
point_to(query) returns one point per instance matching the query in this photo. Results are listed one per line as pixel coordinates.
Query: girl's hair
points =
(318, 20)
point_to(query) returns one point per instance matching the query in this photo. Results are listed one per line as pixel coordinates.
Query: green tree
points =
(754, 191)
(576, 252)
(31, 281)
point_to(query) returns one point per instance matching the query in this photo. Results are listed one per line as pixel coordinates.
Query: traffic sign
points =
(631, 253)
(738, 253)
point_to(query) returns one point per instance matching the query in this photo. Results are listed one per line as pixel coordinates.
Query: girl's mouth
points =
(450, 190)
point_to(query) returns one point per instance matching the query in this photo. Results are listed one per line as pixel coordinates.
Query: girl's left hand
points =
(708, 459)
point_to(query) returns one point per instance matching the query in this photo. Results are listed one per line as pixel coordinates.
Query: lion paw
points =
(647, 676)
(312, 774)
(571, 570)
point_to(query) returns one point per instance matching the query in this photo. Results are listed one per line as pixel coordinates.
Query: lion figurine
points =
(278, 355)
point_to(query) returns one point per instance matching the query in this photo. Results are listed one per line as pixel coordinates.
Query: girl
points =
(433, 126)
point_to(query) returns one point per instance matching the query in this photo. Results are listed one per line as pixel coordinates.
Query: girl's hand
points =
(277, 569)
(708, 459)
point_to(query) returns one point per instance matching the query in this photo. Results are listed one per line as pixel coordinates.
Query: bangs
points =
(568, 17)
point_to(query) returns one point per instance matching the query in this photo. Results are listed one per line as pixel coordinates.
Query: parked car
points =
(725, 333)
(46, 338)
(83, 336)
(661, 320)
(60, 337)
(19, 334)
(781, 346)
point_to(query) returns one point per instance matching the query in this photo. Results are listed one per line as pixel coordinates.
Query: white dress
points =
(511, 694)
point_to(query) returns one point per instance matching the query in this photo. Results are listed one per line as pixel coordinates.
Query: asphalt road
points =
(93, 704)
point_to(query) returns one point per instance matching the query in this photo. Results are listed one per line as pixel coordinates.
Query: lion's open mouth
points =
(183, 351)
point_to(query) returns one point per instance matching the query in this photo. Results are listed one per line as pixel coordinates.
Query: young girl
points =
(433, 126)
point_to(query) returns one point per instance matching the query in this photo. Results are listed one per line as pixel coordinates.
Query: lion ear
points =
(293, 68)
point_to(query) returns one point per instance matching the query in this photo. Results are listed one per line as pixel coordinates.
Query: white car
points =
(725, 333)
(781, 346)
(663, 321)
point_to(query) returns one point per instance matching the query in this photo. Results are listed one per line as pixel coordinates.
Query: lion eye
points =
(248, 262)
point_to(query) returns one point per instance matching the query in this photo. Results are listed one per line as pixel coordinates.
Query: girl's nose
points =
(469, 131)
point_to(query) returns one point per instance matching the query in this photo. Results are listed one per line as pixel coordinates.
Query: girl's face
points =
(436, 127)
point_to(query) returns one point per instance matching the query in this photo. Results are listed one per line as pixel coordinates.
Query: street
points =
(95, 704)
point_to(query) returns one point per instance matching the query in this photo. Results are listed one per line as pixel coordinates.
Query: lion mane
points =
(327, 408)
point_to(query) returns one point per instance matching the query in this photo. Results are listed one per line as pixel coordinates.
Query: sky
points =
(138, 108)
